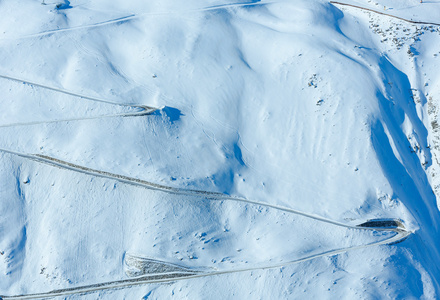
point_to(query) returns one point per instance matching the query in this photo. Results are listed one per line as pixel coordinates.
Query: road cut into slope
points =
(136, 110)
(401, 234)
(159, 269)
(388, 232)
(159, 187)
(138, 16)
(385, 14)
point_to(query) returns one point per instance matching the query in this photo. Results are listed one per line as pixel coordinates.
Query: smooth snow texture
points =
(325, 109)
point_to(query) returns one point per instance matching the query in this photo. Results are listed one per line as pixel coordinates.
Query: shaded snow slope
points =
(325, 109)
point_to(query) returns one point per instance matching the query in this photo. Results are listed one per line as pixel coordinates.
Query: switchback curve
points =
(400, 233)
(392, 226)
(140, 110)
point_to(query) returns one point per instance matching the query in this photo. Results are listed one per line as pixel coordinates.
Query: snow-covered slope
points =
(280, 126)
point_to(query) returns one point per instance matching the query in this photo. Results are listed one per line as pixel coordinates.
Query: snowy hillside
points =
(219, 150)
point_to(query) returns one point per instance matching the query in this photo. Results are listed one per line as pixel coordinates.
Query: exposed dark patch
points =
(383, 223)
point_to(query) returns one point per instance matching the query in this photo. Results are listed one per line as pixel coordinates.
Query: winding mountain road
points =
(395, 228)
(401, 234)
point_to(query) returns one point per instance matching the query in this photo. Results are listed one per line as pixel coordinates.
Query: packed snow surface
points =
(221, 150)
